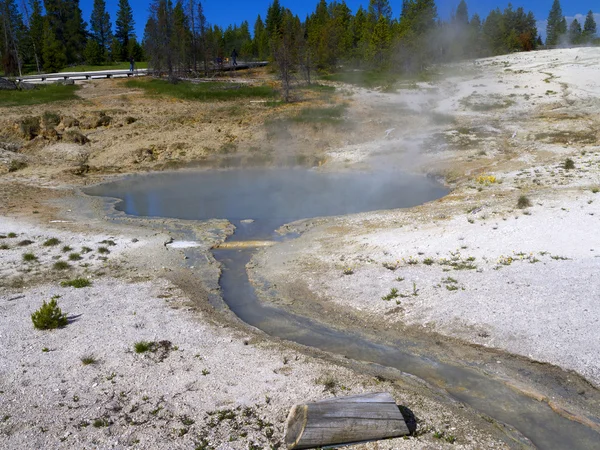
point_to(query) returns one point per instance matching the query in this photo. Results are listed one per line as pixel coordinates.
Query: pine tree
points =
(261, 40)
(462, 13)
(35, 24)
(575, 32)
(557, 25)
(68, 27)
(124, 27)
(589, 28)
(380, 41)
(12, 34)
(101, 27)
(274, 21)
(53, 51)
(380, 8)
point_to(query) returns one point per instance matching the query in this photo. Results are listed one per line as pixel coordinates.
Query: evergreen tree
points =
(181, 37)
(274, 21)
(380, 41)
(462, 13)
(557, 25)
(101, 27)
(575, 32)
(68, 27)
(53, 51)
(261, 40)
(12, 34)
(124, 27)
(93, 53)
(589, 28)
(380, 8)
(36, 29)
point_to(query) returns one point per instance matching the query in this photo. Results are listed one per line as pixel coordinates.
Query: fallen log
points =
(344, 420)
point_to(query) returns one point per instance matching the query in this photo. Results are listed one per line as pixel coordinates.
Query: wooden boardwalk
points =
(226, 67)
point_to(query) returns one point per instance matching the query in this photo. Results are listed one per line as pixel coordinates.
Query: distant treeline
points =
(52, 34)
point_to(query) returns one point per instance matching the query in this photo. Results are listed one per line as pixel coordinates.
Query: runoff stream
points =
(272, 198)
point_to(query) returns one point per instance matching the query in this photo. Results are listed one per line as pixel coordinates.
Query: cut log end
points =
(344, 420)
(296, 423)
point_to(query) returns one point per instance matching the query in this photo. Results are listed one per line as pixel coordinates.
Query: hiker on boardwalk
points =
(234, 55)
(131, 64)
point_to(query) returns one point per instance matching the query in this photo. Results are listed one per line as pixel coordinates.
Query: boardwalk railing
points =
(82, 75)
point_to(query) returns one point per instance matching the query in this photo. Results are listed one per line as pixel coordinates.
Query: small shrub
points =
(16, 165)
(61, 265)
(428, 261)
(25, 243)
(4, 247)
(393, 294)
(569, 164)
(85, 249)
(142, 346)
(66, 249)
(75, 257)
(108, 242)
(595, 190)
(50, 119)
(76, 283)
(49, 316)
(348, 271)
(103, 250)
(12, 235)
(30, 127)
(29, 257)
(75, 137)
(87, 360)
(51, 242)
(99, 423)
(523, 202)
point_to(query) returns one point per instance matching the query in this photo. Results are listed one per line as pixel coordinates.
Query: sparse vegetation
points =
(66, 249)
(204, 92)
(77, 283)
(51, 242)
(142, 346)
(41, 94)
(29, 257)
(49, 316)
(523, 202)
(12, 235)
(392, 295)
(103, 250)
(87, 360)
(75, 257)
(61, 265)
(25, 243)
(569, 164)
(16, 165)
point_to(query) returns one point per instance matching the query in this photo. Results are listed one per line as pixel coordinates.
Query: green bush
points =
(76, 283)
(142, 346)
(51, 242)
(569, 164)
(523, 202)
(49, 316)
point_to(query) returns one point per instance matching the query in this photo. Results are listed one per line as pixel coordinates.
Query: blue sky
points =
(225, 12)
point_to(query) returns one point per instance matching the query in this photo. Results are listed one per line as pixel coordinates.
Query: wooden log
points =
(344, 420)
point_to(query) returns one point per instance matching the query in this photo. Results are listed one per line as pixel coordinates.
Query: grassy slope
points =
(41, 94)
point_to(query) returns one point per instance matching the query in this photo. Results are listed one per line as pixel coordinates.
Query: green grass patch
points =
(51, 242)
(76, 283)
(330, 115)
(29, 257)
(116, 66)
(41, 94)
(142, 346)
(61, 265)
(204, 92)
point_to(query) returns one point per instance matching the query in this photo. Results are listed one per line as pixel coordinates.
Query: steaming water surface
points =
(275, 197)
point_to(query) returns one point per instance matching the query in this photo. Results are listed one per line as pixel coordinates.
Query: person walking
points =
(131, 64)
(234, 55)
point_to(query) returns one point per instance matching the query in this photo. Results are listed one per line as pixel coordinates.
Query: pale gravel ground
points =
(49, 399)
(547, 310)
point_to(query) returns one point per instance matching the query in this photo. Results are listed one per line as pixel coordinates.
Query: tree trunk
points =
(344, 420)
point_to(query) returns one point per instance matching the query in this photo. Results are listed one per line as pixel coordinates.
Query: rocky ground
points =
(472, 266)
